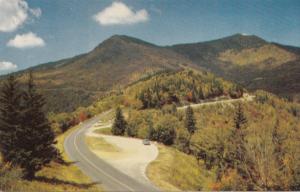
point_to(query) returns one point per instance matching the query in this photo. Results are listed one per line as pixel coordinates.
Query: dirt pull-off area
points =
(129, 155)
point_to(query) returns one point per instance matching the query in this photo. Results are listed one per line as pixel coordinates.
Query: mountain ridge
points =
(113, 64)
(121, 60)
(270, 58)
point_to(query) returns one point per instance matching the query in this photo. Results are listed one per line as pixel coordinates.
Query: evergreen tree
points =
(120, 124)
(143, 99)
(36, 138)
(239, 118)
(10, 115)
(237, 157)
(194, 97)
(190, 123)
(200, 94)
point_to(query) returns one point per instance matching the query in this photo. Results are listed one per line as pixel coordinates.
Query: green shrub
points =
(9, 177)
(165, 129)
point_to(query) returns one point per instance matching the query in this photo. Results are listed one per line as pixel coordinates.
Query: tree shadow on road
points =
(61, 161)
(55, 181)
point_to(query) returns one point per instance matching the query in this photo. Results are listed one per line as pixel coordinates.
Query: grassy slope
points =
(59, 177)
(174, 170)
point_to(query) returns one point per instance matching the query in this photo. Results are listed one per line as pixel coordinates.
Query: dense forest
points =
(182, 87)
(155, 91)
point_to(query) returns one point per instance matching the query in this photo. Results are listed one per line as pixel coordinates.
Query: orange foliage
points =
(82, 117)
(215, 186)
(189, 96)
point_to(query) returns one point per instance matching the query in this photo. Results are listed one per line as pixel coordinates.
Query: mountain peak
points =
(245, 37)
(116, 39)
(237, 41)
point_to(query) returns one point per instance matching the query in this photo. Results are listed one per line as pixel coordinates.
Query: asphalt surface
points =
(97, 169)
(246, 97)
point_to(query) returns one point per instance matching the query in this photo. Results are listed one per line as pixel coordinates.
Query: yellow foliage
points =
(271, 55)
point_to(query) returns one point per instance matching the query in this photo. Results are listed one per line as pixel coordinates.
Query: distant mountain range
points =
(250, 61)
(122, 60)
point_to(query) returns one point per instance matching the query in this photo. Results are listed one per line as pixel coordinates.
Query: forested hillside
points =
(180, 88)
(156, 91)
(238, 145)
(242, 145)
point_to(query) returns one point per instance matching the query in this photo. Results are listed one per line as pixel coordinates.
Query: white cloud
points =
(6, 65)
(119, 13)
(27, 40)
(36, 12)
(13, 13)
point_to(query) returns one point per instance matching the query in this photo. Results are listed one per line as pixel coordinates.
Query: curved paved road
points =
(99, 171)
(246, 97)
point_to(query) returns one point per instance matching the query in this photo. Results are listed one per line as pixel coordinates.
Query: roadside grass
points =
(175, 171)
(96, 143)
(55, 177)
(104, 131)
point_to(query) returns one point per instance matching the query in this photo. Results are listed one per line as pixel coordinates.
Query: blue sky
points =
(56, 29)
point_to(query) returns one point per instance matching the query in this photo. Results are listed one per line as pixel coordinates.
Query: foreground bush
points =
(9, 177)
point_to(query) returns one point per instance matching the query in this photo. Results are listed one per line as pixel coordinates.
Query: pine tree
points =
(200, 94)
(239, 118)
(36, 139)
(237, 154)
(190, 122)
(120, 124)
(10, 115)
(142, 99)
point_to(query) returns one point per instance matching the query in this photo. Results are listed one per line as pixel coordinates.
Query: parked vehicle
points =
(146, 142)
